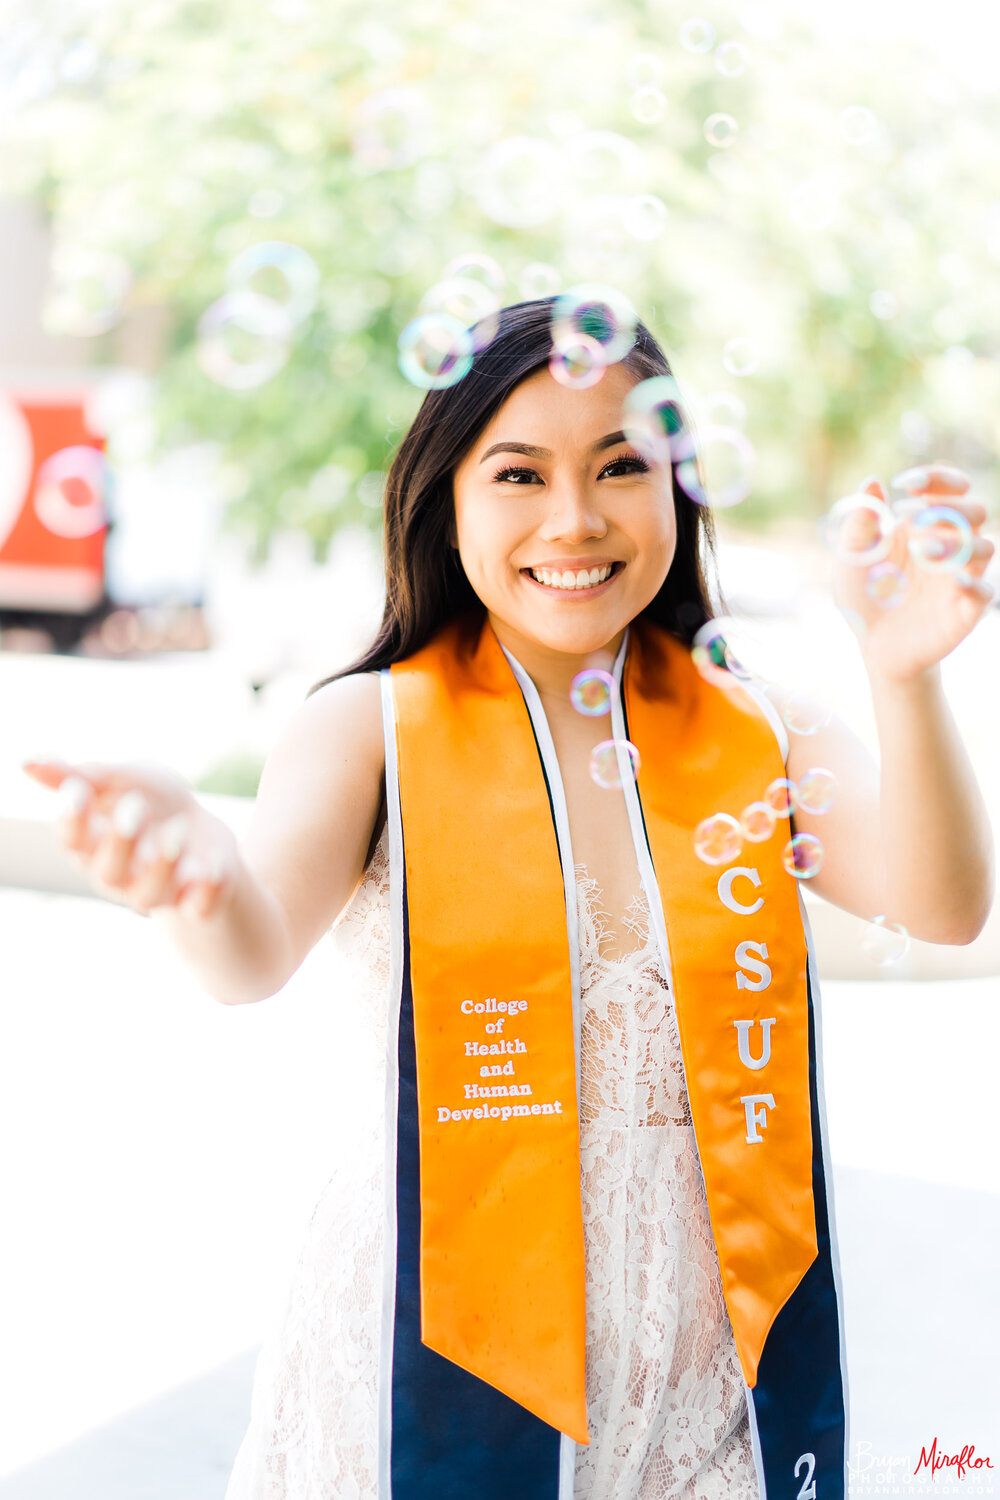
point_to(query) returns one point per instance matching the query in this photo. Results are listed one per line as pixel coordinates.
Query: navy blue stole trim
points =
(453, 1435)
(799, 1395)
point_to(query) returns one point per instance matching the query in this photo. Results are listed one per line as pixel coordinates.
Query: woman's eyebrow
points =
(532, 452)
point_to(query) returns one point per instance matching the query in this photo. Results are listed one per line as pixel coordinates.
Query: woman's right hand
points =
(141, 834)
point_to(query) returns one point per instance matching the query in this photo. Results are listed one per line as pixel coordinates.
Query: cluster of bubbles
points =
(245, 337)
(718, 469)
(456, 318)
(593, 326)
(719, 839)
(863, 529)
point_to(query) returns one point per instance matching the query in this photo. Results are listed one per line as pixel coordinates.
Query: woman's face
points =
(551, 484)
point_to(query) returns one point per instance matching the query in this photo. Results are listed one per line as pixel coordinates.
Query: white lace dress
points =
(665, 1397)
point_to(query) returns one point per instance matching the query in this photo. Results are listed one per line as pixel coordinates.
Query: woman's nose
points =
(574, 514)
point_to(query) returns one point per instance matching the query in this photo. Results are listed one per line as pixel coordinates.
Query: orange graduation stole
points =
(501, 1233)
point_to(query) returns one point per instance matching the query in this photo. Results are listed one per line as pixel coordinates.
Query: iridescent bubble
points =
(721, 130)
(477, 267)
(857, 124)
(652, 415)
(885, 942)
(886, 584)
(243, 340)
(435, 351)
(780, 796)
(88, 293)
(727, 458)
(646, 217)
(649, 106)
(718, 839)
(71, 491)
(722, 409)
(860, 529)
(601, 312)
(757, 822)
(604, 762)
(578, 363)
(644, 68)
(883, 305)
(391, 129)
(538, 280)
(469, 302)
(590, 692)
(815, 790)
(731, 59)
(802, 856)
(284, 272)
(941, 538)
(696, 36)
(740, 356)
(713, 653)
(804, 713)
(520, 181)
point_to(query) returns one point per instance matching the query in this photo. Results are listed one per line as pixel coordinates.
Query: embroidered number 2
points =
(808, 1490)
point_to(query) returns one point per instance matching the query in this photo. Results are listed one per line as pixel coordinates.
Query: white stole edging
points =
(388, 1328)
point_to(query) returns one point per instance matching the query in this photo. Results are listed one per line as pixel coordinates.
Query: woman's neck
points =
(551, 671)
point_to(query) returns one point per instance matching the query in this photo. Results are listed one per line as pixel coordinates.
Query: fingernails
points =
(189, 870)
(129, 813)
(912, 479)
(97, 826)
(147, 851)
(173, 835)
(73, 796)
(216, 866)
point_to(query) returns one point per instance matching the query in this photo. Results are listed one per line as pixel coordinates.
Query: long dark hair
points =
(425, 583)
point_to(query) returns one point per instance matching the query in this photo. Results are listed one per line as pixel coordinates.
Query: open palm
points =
(930, 611)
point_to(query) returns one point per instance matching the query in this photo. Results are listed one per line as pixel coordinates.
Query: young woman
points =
(582, 1243)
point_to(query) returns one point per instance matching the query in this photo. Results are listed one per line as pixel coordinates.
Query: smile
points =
(588, 581)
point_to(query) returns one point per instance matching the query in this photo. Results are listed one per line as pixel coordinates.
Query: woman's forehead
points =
(540, 409)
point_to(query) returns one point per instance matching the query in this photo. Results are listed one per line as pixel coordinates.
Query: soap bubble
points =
(649, 105)
(886, 584)
(722, 409)
(652, 414)
(520, 181)
(860, 529)
(815, 790)
(71, 491)
(390, 129)
(284, 272)
(757, 822)
(731, 59)
(601, 312)
(604, 767)
(243, 340)
(645, 217)
(883, 304)
(740, 356)
(475, 266)
(802, 856)
(857, 125)
(713, 654)
(538, 280)
(804, 713)
(718, 839)
(780, 796)
(590, 692)
(721, 130)
(578, 363)
(472, 303)
(88, 293)
(697, 36)
(642, 69)
(435, 351)
(885, 942)
(940, 538)
(728, 459)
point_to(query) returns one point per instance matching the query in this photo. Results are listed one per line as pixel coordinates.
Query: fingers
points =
(932, 479)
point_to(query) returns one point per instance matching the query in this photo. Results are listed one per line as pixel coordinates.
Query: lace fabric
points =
(665, 1395)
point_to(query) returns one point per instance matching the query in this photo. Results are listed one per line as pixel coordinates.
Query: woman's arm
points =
(911, 839)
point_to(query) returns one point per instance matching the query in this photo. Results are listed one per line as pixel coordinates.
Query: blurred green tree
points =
(838, 209)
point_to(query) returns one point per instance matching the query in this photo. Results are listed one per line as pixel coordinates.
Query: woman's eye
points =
(625, 464)
(514, 476)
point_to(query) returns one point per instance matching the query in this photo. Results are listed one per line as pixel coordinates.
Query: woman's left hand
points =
(929, 610)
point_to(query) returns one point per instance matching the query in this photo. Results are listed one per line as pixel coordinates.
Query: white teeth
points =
(582, 579)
